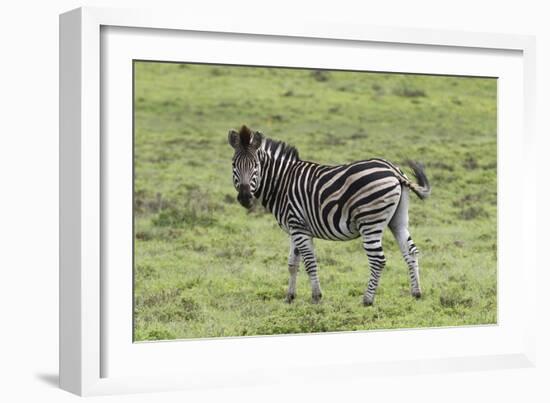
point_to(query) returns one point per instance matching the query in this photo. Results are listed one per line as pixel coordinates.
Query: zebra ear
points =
(233, 138)
(256, 140)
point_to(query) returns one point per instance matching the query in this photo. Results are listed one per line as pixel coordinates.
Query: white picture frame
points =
(86, 345)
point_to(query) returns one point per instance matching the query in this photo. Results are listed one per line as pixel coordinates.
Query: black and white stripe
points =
(340, 202)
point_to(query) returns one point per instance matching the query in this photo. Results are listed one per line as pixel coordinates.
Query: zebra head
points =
(246, 163)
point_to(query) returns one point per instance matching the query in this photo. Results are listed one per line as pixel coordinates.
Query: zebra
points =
(340, 203)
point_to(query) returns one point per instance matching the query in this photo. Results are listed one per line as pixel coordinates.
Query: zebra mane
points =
(287, 151)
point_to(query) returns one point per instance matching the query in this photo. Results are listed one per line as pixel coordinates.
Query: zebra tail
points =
(422, 188)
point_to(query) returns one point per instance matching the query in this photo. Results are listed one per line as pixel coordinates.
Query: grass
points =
(205, 267)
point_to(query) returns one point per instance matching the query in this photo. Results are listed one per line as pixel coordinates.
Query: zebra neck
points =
(275, 179)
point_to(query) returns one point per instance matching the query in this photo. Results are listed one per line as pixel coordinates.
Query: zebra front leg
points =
(304, 243)
(372, 243)
(293, 264)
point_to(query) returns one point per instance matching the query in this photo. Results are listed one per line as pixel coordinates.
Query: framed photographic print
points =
(323, 198)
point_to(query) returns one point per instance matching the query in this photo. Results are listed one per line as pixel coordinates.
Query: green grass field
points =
(206, 267)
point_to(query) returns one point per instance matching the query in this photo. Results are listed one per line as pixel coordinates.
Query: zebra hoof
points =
(368, 301)
(316, 298)
(289, 298)
(416, 294)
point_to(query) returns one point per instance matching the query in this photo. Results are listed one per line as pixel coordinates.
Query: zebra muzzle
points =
(245, 196)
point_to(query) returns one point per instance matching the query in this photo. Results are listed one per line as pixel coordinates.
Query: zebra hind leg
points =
(399, 226)
(372, 243)
(410, 254)
(304, 244)
(293, 264)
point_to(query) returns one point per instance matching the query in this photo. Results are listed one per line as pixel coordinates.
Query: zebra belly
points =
(352, 234)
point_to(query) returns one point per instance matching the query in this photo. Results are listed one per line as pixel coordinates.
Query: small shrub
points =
(188, 309)
(146, 271)
(378, 89)
(440, 165)
(229, 199)
(144, 235)
(345, 88)
(159, 334)
(169, 306)
(345, 269)
(473, 212)
(276, 118)
(471, 198)
(328, 261)
(358, 136)
(190, 283)
(331, 139)
(454, 298)
(355, 292)
(216, 71)
(409, 92)
(320, 75)
(198, 210)
(266, 294)
(180, 218)
(470, 163)
(161, 297)
(145, 203)
(232, 253)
